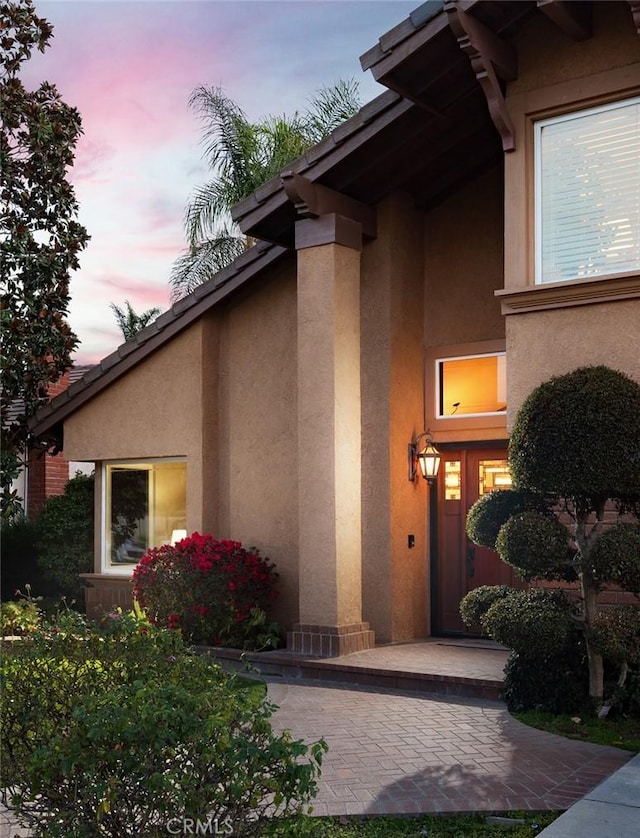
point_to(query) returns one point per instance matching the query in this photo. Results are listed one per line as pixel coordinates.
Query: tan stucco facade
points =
(294, 399)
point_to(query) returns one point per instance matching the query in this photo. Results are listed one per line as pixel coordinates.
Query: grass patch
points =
(621, 733)
(428, 826)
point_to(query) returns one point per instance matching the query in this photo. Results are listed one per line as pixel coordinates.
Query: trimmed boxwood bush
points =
(537, 547)
(492, 510)
(616, 556)
(121, 731)
(477, 602)
(576, 435)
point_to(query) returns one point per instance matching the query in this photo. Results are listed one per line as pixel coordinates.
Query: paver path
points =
(393, 752)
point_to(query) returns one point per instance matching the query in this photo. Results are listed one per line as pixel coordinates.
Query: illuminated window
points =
(472, 385)
(587, 175)
(492, 475)
(144, 503)
(452, 480)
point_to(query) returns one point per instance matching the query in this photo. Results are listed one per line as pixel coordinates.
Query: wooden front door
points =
(465, 474)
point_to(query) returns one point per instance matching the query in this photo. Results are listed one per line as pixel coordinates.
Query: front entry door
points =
(465, 474)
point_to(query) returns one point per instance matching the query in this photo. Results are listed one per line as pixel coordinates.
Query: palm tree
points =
(131, 323)
(244, 155)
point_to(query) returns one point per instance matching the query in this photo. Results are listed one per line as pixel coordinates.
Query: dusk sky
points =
(129, 66)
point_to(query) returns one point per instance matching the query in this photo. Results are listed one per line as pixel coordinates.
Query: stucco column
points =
(329, 441)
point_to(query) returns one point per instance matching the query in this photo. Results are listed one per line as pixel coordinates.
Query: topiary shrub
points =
(546, 669)
(616, 557)
(121, 731)
(477, 602)
(215, 592)
(537, 546)
(492, 510)
(65, 528)
(576, 435)
(534, 621)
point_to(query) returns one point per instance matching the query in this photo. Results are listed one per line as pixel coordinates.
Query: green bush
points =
(492, 510)
(537, 547)
(534, 621)
(20, 567)
(477, 602)
(617, 633)
(215, 592)
(65, 536)
(553, 682)
(616, 556)
(576, 436)
(123, 732)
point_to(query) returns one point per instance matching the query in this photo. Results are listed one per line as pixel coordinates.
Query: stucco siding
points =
(542, 344)
(464, 264)
(258, 429)
(395, 580)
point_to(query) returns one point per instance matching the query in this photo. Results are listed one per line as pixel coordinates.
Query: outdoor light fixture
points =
(428, 458)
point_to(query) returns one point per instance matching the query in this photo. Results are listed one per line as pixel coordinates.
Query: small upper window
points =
(471, 385)
(587, 174)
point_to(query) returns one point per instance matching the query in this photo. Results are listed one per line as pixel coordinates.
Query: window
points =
(144, 504)
(587, 177)
(472, 385)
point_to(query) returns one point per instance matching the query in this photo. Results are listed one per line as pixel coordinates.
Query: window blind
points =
(587, 172)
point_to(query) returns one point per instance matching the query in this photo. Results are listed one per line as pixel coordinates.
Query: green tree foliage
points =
(40, 238)
(130, 322)
(575, 441)
(121, 731)
(243, 155)
(65, 536)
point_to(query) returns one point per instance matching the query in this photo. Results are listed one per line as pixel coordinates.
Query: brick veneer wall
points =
(46, 475)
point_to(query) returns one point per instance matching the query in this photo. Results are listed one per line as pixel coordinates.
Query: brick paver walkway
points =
(392, 752)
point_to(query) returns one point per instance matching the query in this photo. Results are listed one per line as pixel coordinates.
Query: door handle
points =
(471, 557)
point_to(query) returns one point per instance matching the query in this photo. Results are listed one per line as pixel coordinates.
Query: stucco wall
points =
(156, 410)
(395, 580)
(464, 264)
(258, 428)
(546, 343)
(547, 56)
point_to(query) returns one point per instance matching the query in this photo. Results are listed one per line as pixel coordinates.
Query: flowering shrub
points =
(215, 592)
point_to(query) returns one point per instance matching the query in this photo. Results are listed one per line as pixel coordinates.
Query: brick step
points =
(284, 664)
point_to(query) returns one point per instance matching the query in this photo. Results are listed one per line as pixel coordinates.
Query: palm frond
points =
(330, 107)
(202, 262)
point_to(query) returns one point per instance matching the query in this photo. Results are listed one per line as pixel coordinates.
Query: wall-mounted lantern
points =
(427, 458)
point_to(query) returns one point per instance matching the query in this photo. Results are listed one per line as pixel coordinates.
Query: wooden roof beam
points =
(313, 200)
(574, 18)
(493, 61)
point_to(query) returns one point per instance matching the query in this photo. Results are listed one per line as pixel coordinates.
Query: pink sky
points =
(129, 67)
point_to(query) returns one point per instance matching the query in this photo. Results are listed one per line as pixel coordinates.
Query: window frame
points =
(538, 126)
(106, 567)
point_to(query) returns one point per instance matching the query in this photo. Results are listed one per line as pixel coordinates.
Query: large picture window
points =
(144, 506)
(587, 177)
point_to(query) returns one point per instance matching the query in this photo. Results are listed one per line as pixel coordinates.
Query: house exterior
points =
(467, 235)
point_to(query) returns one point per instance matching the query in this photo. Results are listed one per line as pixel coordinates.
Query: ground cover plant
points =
(215, 591)
(118, 730)
(516, 825)
(574, 456)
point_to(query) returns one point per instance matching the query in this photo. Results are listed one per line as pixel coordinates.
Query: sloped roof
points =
(429, 132)
(165, 327)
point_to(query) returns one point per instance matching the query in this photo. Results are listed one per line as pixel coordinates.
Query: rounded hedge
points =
(616, 557)
(491, 511)
(536, 621)
(537, 546)
(577, 436)
(475, 604)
